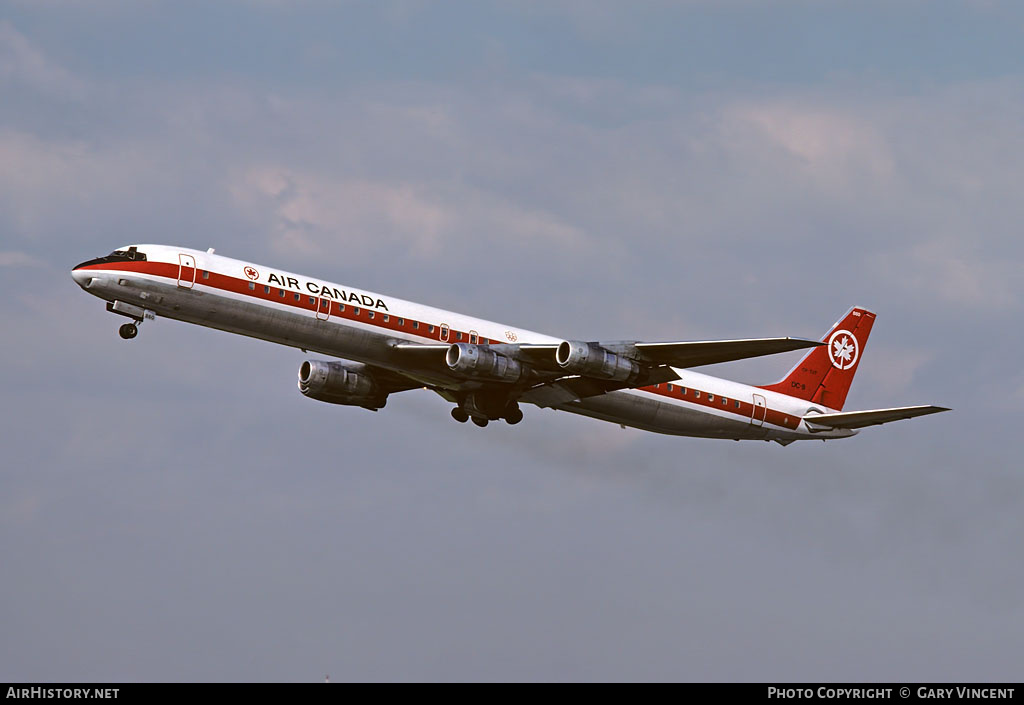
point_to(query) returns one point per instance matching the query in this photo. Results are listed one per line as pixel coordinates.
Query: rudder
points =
(825, 374)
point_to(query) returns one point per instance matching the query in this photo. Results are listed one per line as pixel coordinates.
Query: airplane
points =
(384, 345)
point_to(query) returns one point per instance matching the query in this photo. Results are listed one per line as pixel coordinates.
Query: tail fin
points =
(825, 374)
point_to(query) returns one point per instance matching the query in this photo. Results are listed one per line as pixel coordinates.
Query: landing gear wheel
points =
(513, 417)
(460, 415)
(128, 331)
(479, 421)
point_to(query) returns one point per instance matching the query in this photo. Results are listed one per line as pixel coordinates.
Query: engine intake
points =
(339, 383)
(591, 360)
(477, 361)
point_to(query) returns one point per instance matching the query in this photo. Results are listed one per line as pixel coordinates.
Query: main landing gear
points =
(513, 415)
(128, 331)
(470, 409)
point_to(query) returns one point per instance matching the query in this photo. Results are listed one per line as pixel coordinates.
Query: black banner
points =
(787, 692)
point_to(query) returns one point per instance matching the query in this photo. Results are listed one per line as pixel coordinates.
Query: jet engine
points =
(340, 383)
(477, 361)
(591, 360)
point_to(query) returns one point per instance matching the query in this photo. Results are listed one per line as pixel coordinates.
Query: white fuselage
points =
(354, 324)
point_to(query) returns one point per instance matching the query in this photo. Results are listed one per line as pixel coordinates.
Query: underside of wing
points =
(574, 388)
(549, 374)
(708, 352)
(391, 381)
(873, 417)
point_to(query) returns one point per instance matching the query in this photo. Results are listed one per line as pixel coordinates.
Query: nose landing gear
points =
(136, 313)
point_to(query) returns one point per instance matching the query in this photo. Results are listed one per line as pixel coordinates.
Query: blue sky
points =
(173, 509)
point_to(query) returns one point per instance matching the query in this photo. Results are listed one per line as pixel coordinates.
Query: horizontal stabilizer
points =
(860, 419)
(708, 352)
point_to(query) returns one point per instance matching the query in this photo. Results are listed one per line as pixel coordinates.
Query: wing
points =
(678, 354)
(860, 419)
(708, 352)
(573, 388)
(391, 381)
(548, 374)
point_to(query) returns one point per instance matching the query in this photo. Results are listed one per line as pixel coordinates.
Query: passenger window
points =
(737, 403)
(682, 390)
(401, 322)
(369, 314)
(252, 286)
(725, 402)
(266, 289)
(430, 329)
(298, 297)
(312, 300)
(445, 331)
(415, 324)
(281, 292)
(206, 275)
(696, 393)
(711, 397)
(386, 318)
(458, 336)
(355, 310)
(669, 387)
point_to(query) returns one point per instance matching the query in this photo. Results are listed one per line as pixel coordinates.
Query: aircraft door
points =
(323, 308)
(760, 411)
(186, 271)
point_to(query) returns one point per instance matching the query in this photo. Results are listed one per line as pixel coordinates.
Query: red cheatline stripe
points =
(305, 301)
(377, 318)
(745, 409)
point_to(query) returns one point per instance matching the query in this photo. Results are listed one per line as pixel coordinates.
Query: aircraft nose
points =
(82, 277)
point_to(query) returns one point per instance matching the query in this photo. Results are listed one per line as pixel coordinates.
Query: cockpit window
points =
(132, 254)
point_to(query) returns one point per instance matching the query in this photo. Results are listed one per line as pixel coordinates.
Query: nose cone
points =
(82, 277)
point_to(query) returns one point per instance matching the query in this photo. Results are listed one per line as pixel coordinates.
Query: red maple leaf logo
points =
(252, 273)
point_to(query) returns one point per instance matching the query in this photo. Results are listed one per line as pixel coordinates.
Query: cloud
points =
(21, 62)
(827, 144)
(38, 174)
(18, 259)
(315, 214)
(889, 370)
(949, 271)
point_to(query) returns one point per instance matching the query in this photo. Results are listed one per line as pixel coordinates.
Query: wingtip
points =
(806, 342)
